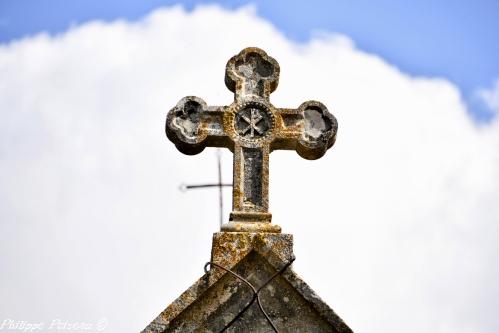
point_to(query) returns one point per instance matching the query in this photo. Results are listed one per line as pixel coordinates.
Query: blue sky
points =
(452, 39)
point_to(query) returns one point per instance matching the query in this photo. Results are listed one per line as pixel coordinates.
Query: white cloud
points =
(396, 227)
(491, 97)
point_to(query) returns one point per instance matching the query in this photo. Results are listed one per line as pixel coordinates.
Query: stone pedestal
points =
(218, 297)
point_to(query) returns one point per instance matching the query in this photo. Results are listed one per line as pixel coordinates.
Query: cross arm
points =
(310, 130)
(192, 125)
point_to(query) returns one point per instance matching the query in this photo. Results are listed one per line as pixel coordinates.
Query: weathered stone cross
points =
(251, 127)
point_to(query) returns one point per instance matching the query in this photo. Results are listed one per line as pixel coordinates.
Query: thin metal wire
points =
(256, 292)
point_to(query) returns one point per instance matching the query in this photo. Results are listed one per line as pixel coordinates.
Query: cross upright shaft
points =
(251, 127)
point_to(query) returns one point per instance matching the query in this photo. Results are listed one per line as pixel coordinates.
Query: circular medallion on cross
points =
(253, 121)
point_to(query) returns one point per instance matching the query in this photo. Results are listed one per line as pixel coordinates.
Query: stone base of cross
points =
(251, 127)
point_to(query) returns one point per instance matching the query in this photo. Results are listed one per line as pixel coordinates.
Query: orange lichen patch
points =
(230, 247)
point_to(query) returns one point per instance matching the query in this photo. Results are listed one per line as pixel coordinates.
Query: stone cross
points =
(251, 127)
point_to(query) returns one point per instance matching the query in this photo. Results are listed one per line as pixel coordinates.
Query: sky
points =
(395, 227)
(450, 39)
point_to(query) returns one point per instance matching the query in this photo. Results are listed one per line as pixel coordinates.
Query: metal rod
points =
(220, 194)
(184, 187)
(190, 187)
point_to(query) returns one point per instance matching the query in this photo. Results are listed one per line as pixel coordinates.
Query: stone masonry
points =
(249, 284)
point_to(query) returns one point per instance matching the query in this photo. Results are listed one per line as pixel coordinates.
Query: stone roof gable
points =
(217, 297)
